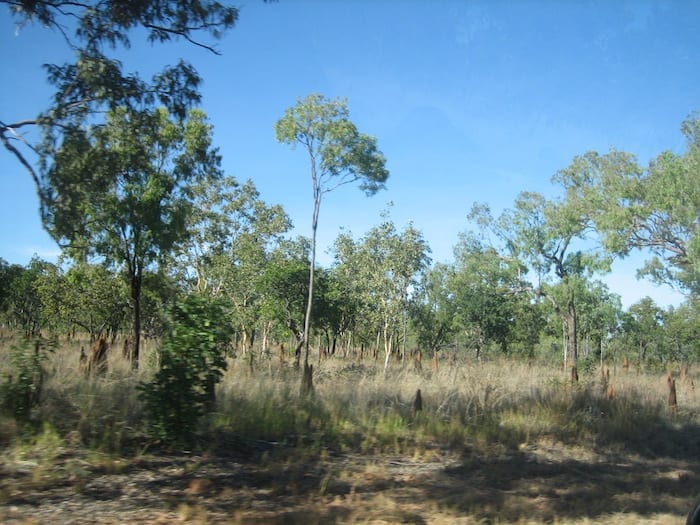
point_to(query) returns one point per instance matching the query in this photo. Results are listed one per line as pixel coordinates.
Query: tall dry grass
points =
(101, 412)
(484, 406)
(502, 404)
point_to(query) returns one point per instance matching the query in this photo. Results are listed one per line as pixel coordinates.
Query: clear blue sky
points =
(469, 100)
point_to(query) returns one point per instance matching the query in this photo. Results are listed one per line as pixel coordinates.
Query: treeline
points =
(380, 299)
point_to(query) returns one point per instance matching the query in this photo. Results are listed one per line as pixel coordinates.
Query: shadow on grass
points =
(517, 487)
(600, 457)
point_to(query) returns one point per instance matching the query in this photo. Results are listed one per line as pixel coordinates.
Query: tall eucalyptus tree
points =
(550, 236)
(654, 209)
(338, 155)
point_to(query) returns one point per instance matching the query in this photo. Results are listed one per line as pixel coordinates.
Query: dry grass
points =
(495, 442)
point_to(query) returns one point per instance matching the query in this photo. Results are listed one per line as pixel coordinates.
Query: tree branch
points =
(184, 34)
(11, 148)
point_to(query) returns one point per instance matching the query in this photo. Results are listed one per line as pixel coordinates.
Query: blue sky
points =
(471, 101)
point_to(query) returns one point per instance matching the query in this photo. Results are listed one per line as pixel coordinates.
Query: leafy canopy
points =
(339, 153)
(94, 82)
(655, 209)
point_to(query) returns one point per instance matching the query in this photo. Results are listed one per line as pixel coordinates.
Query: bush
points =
(192, 362)
(21, 390)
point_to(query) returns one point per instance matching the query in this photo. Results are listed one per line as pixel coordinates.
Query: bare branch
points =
(183, 34)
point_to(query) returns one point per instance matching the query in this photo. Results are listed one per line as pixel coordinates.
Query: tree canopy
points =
(95, 82)
(655, 209)
(124, 191)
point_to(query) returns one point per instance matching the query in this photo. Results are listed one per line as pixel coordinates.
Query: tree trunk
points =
(309, 301)
(307, 380)
(571, 325)
(136, 280)
(388, 347)
(297, 352)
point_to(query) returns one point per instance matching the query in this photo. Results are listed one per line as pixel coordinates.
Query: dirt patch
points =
(547, 483)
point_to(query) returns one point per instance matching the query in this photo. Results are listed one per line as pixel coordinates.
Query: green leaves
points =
(655, 209)
(381, 272)
(339, 153)
(124, 187)
(192, 362)
(96, 83)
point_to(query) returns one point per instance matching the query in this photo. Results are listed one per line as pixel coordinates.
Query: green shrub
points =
(192, 362)
(21, 390)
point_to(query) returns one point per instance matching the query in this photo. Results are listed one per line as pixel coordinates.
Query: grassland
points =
(498, 441)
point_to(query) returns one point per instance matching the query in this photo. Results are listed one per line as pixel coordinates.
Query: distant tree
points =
(234, 235)
(338, 154)
(284, 288)
(433, 309)
(487, 289)
(23, 301)
(544, 235)
(359, 314)
(86, 296)
(333, 310)
(136, 208)
(644, 326)
(682, 326)
(600, 314)
(385, 266)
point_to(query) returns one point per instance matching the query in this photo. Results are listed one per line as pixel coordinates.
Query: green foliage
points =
(21, 390)
(87, 296)
(549, 237)
(643, 325)
(488, 293)
(339, 153)
(191, 364)
(285, 287)
(433, 309)
(124, 191)
(22, 299)
(655, 208)
(384, 268)
(682, 326)
(95, 82)
(235, 235)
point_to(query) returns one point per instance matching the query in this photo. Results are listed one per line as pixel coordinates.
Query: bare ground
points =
(542, 483)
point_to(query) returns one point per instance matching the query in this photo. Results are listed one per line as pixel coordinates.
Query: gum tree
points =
(486, 288)
(386, 267)
(137, 209)
(338, 155)
(549, 237)
(233, 238)
(433, 310)
(654, 209)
